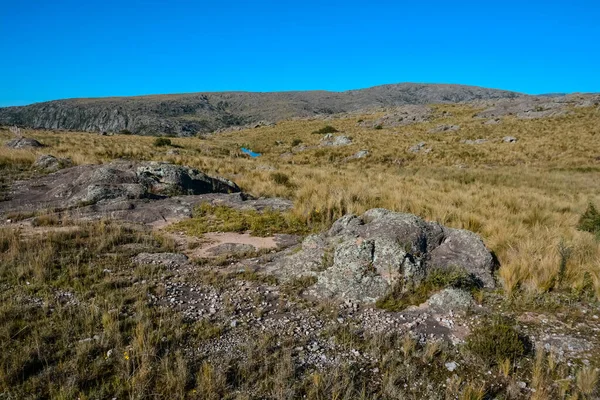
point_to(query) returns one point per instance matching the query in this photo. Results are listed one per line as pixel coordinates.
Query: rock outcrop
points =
(117, 186)
(23, 143)
(402, 116)
(361, 258)
(49, 163)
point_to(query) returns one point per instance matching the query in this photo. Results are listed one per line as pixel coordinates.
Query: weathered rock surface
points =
(146, 192)
(49, 163)
(419, 147)
(232, 249)
(358, 154)
(509, 139)
(23, 143)
(450, 299)
(362, 258)
(335, 141)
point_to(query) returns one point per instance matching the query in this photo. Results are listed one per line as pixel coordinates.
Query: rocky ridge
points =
(191, 114)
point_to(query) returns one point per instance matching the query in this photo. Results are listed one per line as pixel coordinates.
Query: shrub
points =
(161, 142)
(296, 142)
(590, 221)
(280, 178)
(496, 342)
(378, 127)
(125, 132)
(325, 130)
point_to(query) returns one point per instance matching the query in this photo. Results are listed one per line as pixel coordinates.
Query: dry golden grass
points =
(524, 199)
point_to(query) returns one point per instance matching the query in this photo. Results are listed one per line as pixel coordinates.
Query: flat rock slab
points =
(148, 193)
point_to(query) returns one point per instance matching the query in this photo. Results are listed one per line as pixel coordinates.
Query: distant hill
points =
(193, 113)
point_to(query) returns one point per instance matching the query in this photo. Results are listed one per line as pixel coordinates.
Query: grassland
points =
(525, 199)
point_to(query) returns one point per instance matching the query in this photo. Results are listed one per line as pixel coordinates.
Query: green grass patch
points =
(496, 342)
(208, 218)
(401, 296)
(590, 221)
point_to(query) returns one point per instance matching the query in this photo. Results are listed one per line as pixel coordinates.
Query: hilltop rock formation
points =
(190, 114)
(362, 257)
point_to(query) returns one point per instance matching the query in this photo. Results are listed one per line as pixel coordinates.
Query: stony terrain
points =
(443, 258)
(190, 114)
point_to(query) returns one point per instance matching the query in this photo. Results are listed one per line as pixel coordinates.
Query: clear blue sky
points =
(65, 48)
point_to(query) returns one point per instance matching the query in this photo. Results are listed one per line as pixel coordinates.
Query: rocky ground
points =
(373, 286)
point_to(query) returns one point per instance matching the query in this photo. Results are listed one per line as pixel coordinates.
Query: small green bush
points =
(296, 142)
(495, 342)
(590, 221)
(325, 130)
(280, 178)
(378, 127)
(162, 142)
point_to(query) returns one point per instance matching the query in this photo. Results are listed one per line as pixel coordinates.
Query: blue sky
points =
(64, 48)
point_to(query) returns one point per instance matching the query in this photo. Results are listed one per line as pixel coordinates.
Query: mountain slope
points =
(189, 114)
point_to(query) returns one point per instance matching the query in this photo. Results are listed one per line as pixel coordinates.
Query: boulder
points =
(49, 163)
(417, 147)
(335, 141)
(450, 299)
(169, 179)
(359, 154)
(23, 143)
(509, 139)
(362, 257)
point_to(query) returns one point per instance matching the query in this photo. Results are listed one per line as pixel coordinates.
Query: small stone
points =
(451, 366)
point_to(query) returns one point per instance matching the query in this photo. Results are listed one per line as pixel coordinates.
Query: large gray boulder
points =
(362, 257)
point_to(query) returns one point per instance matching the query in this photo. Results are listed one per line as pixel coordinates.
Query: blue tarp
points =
(250, 152)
